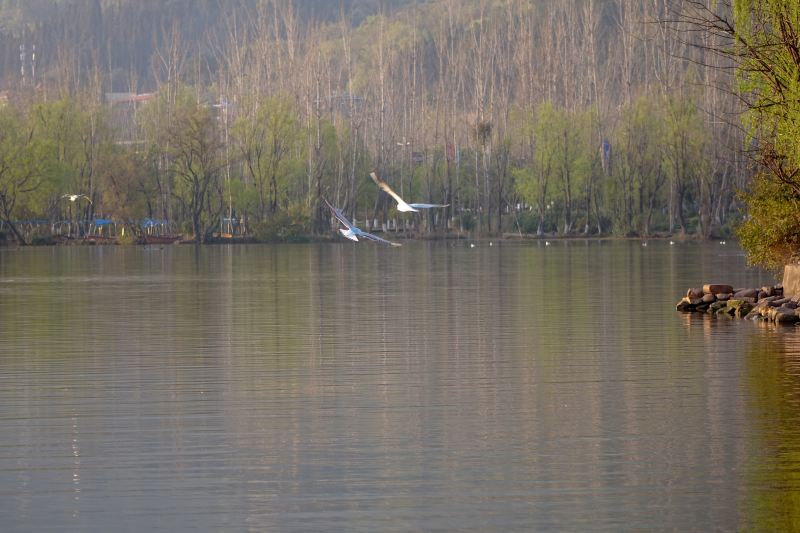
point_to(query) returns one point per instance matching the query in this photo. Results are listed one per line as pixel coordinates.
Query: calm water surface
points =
(433, 387)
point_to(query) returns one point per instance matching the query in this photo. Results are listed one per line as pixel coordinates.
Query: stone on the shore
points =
(745, 293)
(755, 312)
(685, 306)
(716, 288)
(770, 301)
(765, 303)
(739, 308)
(784, 315)
(717, 306)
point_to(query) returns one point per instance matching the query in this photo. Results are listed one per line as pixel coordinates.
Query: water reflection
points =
(354, 388)
(773, 476)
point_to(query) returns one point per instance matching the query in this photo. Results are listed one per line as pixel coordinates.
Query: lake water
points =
(352, 387)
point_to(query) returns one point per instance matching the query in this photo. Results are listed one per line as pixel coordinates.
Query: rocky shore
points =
(765, 303)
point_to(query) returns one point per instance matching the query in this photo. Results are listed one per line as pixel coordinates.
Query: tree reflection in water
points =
(773, 476)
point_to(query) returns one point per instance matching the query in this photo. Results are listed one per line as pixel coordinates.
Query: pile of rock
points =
(766, 303)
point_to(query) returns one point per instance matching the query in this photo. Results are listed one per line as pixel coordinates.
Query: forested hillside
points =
(576, 117)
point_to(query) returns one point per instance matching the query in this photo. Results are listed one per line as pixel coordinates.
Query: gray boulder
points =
(746, 293)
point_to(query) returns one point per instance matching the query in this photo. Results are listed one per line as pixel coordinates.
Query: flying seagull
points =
(352, 232)
(401, 204)
(73, 197)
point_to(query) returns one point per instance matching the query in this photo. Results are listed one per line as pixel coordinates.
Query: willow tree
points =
(764, 41)
(540, 136)
(767, 42)
(197, 157)
(26, 171)
(266, 141)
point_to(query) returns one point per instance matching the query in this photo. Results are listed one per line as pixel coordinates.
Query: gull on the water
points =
(401, 204)
(352, 232)
(73, 197)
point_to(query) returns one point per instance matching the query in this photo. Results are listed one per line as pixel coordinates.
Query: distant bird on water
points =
(352, 232)
(401, 204)
(73, 197)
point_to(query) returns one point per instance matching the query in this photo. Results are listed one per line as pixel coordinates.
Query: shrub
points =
(770, 234)
(290, 225)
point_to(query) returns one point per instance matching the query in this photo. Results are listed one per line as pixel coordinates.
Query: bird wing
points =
(427, 206)
(388, 190)
(339, 215)
(375, 238)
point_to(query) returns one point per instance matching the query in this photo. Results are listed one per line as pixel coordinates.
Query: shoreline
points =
(99, 240)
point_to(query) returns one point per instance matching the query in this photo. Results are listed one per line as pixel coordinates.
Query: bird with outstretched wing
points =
(401, 204)
(351, 231)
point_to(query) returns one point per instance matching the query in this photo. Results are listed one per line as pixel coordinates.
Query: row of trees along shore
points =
(576, 117)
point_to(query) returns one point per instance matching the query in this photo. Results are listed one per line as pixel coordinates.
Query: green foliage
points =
(528, 222)
(769, 78)
(540, 134)
(67, 129)
(292, 225)
(638, 168)
(193, 146)
(128, 189)
(27, 166)
(771, 233)
(558, 145)
(267, 142)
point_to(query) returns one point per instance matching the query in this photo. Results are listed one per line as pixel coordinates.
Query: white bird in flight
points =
(73, 197)
(401, 204)
(352, 232)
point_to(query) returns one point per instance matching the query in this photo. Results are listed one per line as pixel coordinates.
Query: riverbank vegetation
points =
(576, 117)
